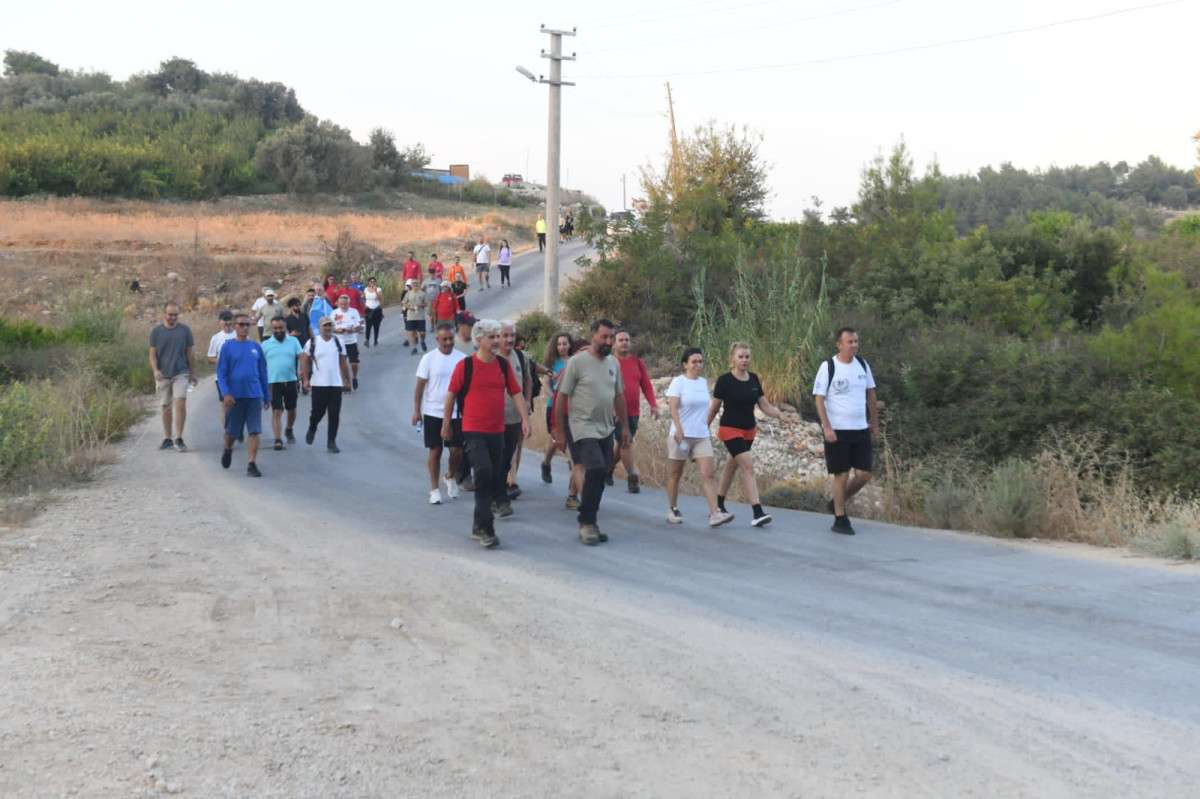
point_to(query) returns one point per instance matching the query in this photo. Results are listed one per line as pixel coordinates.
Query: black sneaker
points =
(252, 470)
(488, 540)
(278, 445)
(601, 536)
(414, 351)
(502, 509)
(179, 445)
(226, 458)
(291, 437)
(354, 384)
(424, 348)
(332, 448)
(547, 477)
(514, 491)
(841, 525)
(634, 484)
(309, 436)
(760, 520)
(167, 444)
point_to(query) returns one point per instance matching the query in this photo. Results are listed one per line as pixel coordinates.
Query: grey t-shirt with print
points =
(170, 347)
(511, 414)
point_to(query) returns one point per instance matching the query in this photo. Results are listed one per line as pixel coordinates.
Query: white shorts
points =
(689, 448)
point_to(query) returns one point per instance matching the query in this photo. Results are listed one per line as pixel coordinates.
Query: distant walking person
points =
(429, 403)
(171, 346)
(412, 269)
(214, 351)
(283, 355)
(413, 306)
(637, 382)
(737, 393)
(513, 439)
(347, 324)
(325, 371)
(844, 391)
(436, 269)
(296, 322)
(445, 305)
(483, 264)
(540, 229)
(373, 297)
(591, 384)
(477, 387)
(689, 437)
(242, 376)
(505, 263)
(269, 310)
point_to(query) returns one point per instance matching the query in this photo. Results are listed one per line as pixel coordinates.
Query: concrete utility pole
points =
(553, 158)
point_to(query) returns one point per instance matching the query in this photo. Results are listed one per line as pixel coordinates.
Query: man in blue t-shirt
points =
(242, 379)
(282, 353)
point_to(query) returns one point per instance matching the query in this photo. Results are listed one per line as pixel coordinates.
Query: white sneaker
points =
(719, 518)
(451, 489)
(435, 497)
(674, 516)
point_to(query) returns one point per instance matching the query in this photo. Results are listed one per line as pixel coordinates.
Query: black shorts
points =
(283, 395)
(432, 426)
(593, 453)
(352, 352)
(633, 427)
(414, 325)
(852, 450)
(737, 446)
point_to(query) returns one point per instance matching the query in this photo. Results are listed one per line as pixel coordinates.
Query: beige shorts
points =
(690, 448)
(172, 389)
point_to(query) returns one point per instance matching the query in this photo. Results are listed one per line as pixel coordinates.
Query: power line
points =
(896, 50)
(735, 31)
(693, 10)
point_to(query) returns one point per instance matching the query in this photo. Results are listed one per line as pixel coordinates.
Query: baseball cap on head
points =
(464, 318)
(268, 292)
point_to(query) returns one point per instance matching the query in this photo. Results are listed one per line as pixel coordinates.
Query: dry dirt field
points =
(214, 254)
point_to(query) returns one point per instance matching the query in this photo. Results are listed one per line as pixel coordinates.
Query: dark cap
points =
(464, 318)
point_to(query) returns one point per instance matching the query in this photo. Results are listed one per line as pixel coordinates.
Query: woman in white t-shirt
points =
(373, 297)
(688, 399)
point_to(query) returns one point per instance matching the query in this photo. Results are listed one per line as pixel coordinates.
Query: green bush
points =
(537, 328)
(796, 496)
(949, 503)
(1012, 504)
(1178, 539)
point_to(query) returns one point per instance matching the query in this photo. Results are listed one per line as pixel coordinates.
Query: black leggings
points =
(504, 278)
(326, 398)
(374, 320)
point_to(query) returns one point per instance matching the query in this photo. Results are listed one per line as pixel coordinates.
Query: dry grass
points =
(223, 229)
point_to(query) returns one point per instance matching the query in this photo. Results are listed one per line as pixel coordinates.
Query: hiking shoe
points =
(489, 540)
(291, 437)
(502, 509)
(841, 525)
(634, 484)
(451, 489)
(309, 436)
(600, 534)
(589, 535)
(547, 477)
(572, 502)
(478, 533)
(278, 445)
(424, 348)
(435, 497)
(514, 491)
(252, 470)
(332, 447)
(759, 521)
(226, 458)
(179, 445)
(719, 518)
(167, 444)
(674, 516)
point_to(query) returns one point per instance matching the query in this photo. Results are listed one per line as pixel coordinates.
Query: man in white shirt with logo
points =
(483, 264)
(844, 391)
(429, 403)
(347, 324)
(324, 372)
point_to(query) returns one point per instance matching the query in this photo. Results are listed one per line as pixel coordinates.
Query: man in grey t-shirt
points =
(592, 384)
(512, 416)
(171, 346)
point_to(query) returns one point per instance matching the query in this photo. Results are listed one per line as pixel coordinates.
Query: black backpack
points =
(829, 371)
(469, 371)
(311, 349)
(535, 385)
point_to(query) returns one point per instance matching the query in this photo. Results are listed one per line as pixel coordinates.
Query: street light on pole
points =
(553, 158)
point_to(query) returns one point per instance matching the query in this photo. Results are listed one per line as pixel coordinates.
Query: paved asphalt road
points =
(1088, 662)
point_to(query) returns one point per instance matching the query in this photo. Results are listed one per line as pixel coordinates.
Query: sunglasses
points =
(243, 324)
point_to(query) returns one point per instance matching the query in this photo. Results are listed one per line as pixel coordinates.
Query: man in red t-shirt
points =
(637, 381)
(412, 270)
(356, 298)
(437, 271)
(483, 422)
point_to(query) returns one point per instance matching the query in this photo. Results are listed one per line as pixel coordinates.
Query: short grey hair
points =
(484, 327)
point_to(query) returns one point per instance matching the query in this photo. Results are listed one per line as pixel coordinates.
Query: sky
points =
(828, 84)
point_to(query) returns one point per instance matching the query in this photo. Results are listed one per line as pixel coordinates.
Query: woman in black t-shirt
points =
(737, 393)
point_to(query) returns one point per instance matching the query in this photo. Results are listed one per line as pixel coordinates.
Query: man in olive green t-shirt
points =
(591, 385)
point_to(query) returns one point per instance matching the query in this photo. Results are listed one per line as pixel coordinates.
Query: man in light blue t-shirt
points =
(282, 353)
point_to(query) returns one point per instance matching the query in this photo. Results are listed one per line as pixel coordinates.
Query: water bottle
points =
(420, 426)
